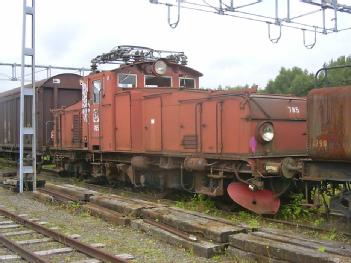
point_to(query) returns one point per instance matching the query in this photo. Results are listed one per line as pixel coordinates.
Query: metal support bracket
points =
(173, 24)
(311, 45)
(274, 40)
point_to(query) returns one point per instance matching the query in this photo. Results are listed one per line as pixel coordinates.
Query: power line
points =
(48, 68)
(329, 10)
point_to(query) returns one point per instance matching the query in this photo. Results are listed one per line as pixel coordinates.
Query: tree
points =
(293, 81)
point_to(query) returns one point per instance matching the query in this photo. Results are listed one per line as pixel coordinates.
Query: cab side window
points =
(97, 91)
(158, 81)
(187, 83)
(127, 80)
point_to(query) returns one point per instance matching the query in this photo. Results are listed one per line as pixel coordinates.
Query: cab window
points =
(126, 80)
(187, 83)
(97, 91)
(158, 81)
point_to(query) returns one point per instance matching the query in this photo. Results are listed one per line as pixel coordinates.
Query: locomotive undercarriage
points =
(252, 180)
(330, 179)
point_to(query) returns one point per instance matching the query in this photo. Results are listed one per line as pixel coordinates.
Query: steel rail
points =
(172, 230)
(60, 196)
(21, 251)
(81, 247)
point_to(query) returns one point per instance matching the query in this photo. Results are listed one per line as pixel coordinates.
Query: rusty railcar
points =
(148, 123)
(329, 143)
(55, 92)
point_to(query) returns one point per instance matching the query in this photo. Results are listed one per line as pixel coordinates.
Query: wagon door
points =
(152, 136)
(122, 120)
(209, 127)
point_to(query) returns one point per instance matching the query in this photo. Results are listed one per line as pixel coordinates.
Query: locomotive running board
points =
(260, 201)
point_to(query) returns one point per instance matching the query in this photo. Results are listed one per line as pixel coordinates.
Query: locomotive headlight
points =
(266, 132)
(160, 67)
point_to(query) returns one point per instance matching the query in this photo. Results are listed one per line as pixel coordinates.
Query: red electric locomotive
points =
(149, 123)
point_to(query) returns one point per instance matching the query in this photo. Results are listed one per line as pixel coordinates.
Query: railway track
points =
(20, 236)
(289, 224)
(306, 227)
(205, 235)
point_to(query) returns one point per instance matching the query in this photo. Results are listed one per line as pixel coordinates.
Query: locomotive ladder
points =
(28, 129)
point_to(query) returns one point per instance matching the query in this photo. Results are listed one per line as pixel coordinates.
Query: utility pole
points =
(28, 129)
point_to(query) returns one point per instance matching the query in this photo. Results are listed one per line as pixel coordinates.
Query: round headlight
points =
(266, 132)
(160, 67)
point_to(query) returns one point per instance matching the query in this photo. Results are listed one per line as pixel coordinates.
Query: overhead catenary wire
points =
(230, 10)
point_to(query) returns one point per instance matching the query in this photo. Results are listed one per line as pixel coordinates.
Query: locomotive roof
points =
(170, 63)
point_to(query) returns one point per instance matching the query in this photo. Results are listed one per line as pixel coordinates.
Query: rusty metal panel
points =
(170, 122)
(152, 121)
(189, 139)
(209, 126)
(326, 170)
(107, 127)
(122, 115)
(288, 117)
(137, 130)
(277, 107)
(329, 123)
(234, 132)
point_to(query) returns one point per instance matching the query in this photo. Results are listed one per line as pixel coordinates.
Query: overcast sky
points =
(226, 50)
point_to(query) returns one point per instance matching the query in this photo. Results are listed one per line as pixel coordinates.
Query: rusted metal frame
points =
(171, 230)
(196, 128)
(114, 123)
(220, 106)
(161, 125)
(99, 107)
(81, 247)
(21, 251)
(198, 123)
(273, 96)
(151, 96)
(237, 176)
(219, 96)
(273, 119)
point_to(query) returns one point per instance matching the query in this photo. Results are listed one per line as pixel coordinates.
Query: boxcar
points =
(55, 92)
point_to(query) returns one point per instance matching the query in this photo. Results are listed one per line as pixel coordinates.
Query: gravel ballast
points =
(118, 239)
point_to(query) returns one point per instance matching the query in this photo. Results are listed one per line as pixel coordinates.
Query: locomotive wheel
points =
(280, 185)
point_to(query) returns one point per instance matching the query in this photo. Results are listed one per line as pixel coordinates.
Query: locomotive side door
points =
(152, 124)
(95, 114)
(209, 127)
(122, 115)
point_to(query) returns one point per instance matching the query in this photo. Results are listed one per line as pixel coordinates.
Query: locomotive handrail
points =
(325, 69)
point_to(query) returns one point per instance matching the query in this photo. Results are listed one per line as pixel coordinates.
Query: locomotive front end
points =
(277, 142)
